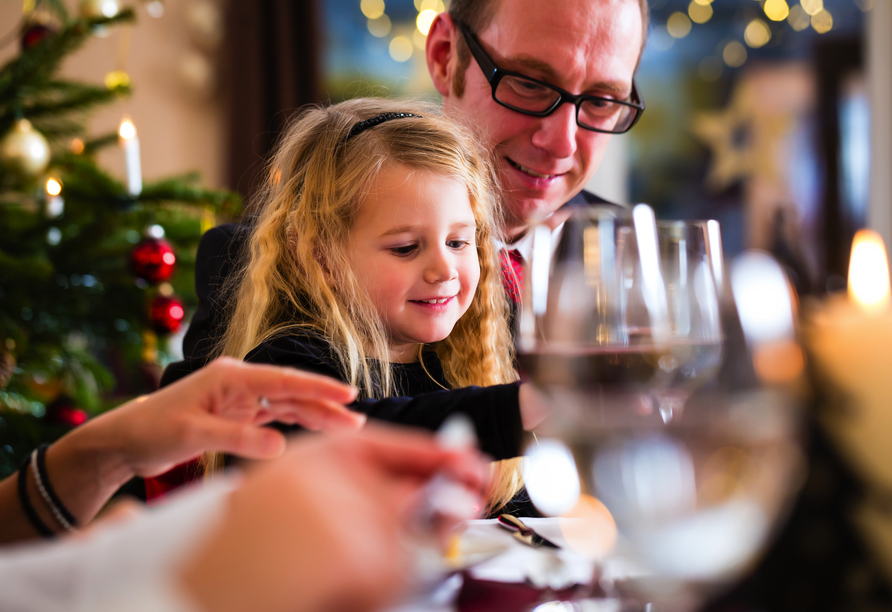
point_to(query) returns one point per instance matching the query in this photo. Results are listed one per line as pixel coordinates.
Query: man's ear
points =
(441, 54)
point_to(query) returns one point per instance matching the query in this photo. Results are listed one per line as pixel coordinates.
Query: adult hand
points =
(220, 408)
(325, 527)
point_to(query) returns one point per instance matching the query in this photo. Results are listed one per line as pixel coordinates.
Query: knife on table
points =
(524, 533)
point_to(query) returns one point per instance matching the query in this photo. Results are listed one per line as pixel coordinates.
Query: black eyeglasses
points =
(537, 98)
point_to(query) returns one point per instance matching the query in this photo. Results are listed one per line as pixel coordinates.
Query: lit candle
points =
(130, 143)
(851, 341)
(55, 205)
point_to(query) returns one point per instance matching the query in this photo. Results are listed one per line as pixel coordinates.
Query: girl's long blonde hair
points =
(298, 276)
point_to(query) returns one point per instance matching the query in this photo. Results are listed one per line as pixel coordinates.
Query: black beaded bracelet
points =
(29, 510)
(42, 478)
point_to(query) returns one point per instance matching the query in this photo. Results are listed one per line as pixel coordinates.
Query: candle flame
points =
(869, 271)
(53, 187)
(127, 129)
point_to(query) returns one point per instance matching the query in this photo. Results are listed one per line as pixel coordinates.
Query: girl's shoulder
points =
(302, 348)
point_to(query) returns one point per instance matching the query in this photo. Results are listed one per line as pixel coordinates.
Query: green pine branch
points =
(32, 70)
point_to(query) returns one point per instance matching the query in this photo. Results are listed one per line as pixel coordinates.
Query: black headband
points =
(365, 124)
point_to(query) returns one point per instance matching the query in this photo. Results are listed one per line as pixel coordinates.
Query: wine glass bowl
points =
(694, 498)
(690, 254)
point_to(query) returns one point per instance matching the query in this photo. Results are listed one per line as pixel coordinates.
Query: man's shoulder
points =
(587, 198)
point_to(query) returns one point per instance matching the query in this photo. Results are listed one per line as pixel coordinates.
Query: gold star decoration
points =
(744, 140)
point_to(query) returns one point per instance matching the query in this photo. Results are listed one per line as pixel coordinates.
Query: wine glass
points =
(672, 511)
(691, 259)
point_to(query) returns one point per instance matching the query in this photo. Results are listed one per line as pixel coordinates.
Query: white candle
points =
(130, 144)
(851, 341)
(55, 205)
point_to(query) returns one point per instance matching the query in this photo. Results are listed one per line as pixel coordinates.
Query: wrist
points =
(86, 467)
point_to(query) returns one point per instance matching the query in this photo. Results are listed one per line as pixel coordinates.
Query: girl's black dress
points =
(422, 402)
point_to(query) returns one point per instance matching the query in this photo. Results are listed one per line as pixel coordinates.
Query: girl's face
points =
(413, 250)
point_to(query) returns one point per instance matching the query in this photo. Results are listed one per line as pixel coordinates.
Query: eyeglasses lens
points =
(525, 95)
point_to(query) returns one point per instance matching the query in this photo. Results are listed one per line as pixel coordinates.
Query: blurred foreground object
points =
(851, 340)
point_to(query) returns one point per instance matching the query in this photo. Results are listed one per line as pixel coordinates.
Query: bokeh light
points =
(380, 27)
(372, 8)
(776, 10)
(424, 20)
(734, 54)
(678, 25)
(53, 187)
(550, 476)
(798, 19)
(812, 7)
(822, 21)
(401, 48)
(699, 13)
(757, 34)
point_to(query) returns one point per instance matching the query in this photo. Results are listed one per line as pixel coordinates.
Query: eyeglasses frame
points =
(494, 75)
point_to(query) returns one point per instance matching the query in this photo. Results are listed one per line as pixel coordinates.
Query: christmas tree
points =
(95, 273)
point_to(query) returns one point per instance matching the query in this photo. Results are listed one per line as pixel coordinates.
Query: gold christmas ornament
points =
(96, 9)
(24, 150)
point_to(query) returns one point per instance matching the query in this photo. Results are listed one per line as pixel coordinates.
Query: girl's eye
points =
(457, 244)
(403, 251)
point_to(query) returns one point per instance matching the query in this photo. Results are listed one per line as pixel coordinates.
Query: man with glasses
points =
(545, 85)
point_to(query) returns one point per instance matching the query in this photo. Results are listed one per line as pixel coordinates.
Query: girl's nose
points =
(440, 267)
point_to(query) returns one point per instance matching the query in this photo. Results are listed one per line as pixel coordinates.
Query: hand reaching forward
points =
(324, 528)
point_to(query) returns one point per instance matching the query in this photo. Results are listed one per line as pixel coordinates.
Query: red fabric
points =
(158, 486)
(512, 273)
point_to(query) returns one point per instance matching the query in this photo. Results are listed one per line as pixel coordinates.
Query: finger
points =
(278, 383)
(312, 415)
(242, 439)
(408, 452)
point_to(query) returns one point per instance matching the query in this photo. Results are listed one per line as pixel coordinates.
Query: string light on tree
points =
(24, 151)
(130, 143)
(55, 205)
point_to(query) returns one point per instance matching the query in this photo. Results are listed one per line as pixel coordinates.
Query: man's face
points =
(582, 46)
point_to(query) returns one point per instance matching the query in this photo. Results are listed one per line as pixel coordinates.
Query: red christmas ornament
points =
(63, 410)
(153, 260)
(166, 315)
(33, 33)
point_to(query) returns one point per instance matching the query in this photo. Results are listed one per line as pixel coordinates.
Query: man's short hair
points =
(476, 14)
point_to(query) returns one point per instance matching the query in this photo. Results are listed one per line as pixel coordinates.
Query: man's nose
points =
(557, 132)
(439, 266)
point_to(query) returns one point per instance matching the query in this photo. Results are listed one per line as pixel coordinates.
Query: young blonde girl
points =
(298, 300)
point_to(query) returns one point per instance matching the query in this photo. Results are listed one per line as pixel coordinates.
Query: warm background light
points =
(372, 8)
(812, 7)
(699, 13)
(757, 34)
(678, 25)
(776, 10)
(869, 271)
